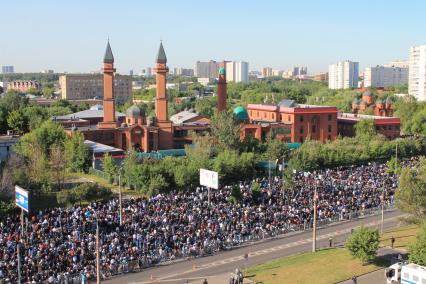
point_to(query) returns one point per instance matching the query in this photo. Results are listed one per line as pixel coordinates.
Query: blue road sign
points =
(21, 198)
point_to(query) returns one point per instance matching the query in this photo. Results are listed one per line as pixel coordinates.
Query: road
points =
(225, 262)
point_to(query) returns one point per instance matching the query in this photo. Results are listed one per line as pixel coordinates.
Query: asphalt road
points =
(258, 253)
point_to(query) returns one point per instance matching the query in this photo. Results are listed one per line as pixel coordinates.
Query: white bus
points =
(403, 273)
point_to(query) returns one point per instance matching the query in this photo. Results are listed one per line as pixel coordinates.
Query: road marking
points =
(169, 278)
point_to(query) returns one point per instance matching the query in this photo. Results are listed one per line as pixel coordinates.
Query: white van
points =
(403, 273)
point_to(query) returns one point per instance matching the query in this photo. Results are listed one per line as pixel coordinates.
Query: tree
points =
(411, 196)
(275, 148)
(225, 131)
(393, 166)
(57, 164)
(16, 121)
(76, 153)
(109, 166)
(47, 92)
(363, 244)
(417, 249)
(365, 129)
(35, 115)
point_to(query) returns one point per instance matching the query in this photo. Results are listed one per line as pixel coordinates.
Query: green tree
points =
(363, 244)
(109, 166)
(16, 121)
(47, 92)
(157, 184)
(417, 250)
(365, 129)
(57, 165)
(275, 149)
(35, 115)
(76, 153)
(411, 196)
(225, 131)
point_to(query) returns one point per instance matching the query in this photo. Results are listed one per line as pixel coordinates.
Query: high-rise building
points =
(131, 72)
(237, 71)
(417, 72)
(266, 72)
(90, 86)
(383, 77)
(277, 73)
(401, 63)
(179, 71)
(343, 75)
(206, 69)
(7, 69)
(147, 72)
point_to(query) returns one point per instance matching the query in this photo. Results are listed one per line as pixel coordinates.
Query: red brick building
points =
(379, 107)
(297, 122)
(387, 126)
(24, 85)
(134, 130)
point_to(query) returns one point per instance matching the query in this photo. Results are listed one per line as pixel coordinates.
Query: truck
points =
(405, 273)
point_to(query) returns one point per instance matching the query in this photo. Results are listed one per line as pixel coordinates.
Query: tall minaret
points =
(109, 120)
(161, 73)
(221, 90)
(165, 127)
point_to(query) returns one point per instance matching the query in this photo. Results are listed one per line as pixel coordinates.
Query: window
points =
(301, 118)
(301, 129)
(330, 128)
(281, 117)
(264, 114)
(314, 128)
(415, 278)
(273, 116)
(329, 117)
(406, 276)
(289, 118)
(301, 139)
(329, 137)
(257, 114)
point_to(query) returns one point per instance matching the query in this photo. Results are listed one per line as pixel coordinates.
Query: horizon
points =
(268, 34)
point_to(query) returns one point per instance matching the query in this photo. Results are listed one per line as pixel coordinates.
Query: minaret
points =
(109, 120)
(165, 127)
(221, 90)
(161, 73)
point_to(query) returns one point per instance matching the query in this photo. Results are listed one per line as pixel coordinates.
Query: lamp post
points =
(119, 199)
(98, 266)
(314, 229)
(383, 209)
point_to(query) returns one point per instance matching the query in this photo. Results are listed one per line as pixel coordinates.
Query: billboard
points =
(209, 178)
(21, 198)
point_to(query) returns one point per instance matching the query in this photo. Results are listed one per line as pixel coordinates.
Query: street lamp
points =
(314, 229)
(119, 196)
(382, 198)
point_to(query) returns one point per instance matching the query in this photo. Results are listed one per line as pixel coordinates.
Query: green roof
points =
(222, 71)
(161, 55)
(240, 113)
(108, 58)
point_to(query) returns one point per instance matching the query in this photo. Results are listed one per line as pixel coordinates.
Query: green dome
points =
(240, 113)
(222, 71)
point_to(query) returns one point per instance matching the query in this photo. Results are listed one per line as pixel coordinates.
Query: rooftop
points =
(354, 116)
(85, 114)
(95, 147)
(183, 116)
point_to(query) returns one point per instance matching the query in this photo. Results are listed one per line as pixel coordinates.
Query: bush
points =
(85, 192)
(363, 244)
(418, 248)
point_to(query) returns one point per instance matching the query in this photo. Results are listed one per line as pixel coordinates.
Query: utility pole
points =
(18, 251)
(314, 229)
(98, 270)
(383, 209)
(396, 158)
(269, 169)
(119, 199)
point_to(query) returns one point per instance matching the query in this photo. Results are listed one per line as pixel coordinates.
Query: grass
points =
(324, 266)
(403, 236)
(327, 265)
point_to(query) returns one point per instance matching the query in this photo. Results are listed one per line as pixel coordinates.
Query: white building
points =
(7, 69)
(237, 71)
(417, 72)
(383, 77)
(206, 69)
(343, 75)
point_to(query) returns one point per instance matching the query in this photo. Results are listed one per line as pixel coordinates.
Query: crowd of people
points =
(59, 244)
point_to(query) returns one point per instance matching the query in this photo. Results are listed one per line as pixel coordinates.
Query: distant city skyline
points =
(71, 36)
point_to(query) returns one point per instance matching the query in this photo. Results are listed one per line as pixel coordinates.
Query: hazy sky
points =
(71, 35)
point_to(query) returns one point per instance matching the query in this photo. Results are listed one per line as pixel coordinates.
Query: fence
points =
(213, 247)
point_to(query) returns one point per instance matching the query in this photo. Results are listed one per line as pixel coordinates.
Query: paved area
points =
(217, 268)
